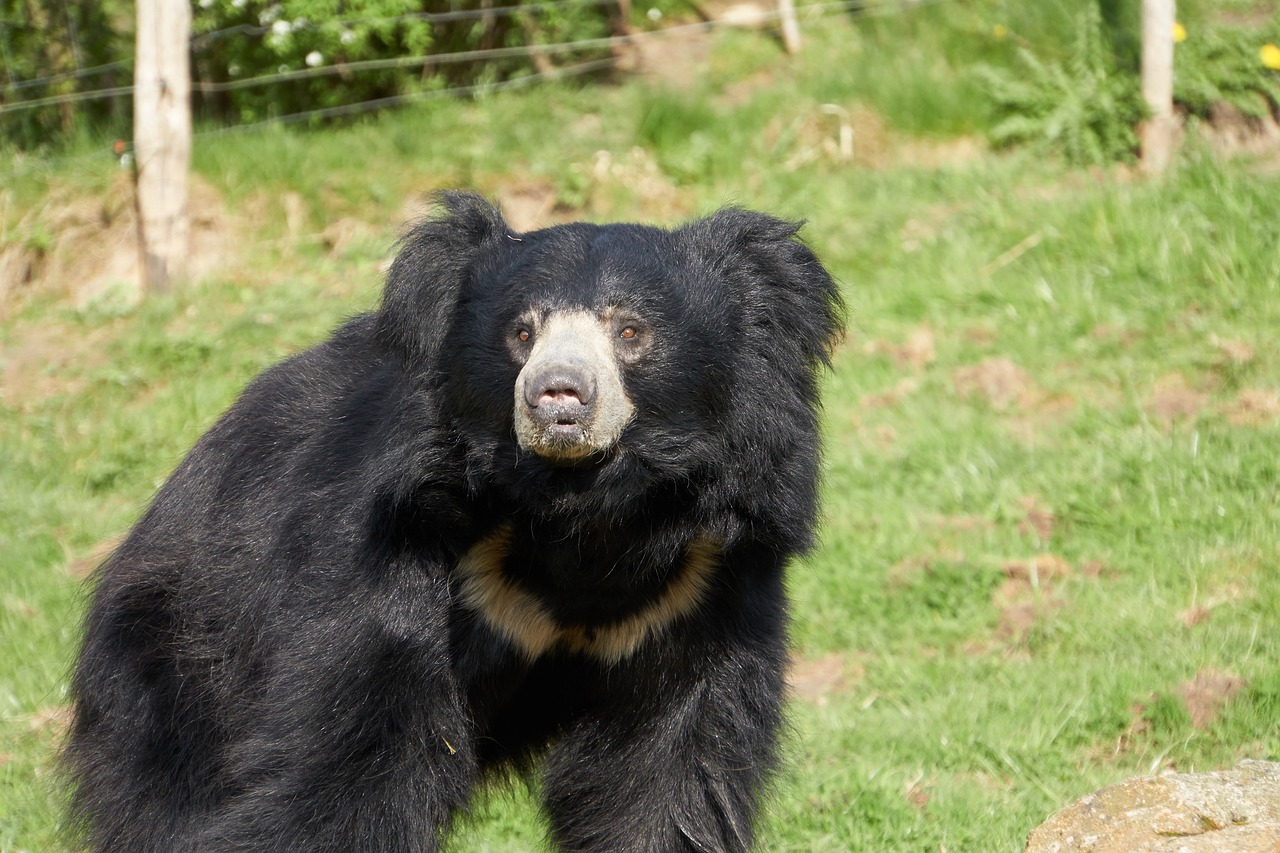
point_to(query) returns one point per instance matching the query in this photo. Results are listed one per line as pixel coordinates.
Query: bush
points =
(256, 59)
(51, 48)
(316, 45)
(1226, 64)
(1084, 108)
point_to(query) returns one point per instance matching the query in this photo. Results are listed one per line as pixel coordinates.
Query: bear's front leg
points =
(361, 739)
(676, 751)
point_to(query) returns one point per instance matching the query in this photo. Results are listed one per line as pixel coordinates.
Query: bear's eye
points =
(523, 335)
(628, 333)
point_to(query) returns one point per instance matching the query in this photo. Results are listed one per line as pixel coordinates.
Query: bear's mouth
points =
(563, 440)
(569, 431)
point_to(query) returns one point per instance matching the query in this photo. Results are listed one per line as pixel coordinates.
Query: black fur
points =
(277, 657)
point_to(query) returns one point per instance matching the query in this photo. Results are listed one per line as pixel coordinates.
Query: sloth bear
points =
(532, 514)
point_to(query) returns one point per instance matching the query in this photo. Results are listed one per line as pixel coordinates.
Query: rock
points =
(1230, 811)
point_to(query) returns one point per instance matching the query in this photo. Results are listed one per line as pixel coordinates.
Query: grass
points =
(1051, 491)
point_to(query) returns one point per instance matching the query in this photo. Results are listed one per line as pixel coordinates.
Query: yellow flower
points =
(1179, 32)
(1000, 31)
(1270, 56)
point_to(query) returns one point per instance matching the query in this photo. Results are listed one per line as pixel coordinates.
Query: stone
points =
(1229, 811)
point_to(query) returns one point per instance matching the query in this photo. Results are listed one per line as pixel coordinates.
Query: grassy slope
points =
(953, 693)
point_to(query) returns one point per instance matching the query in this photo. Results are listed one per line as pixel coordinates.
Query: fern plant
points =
(1083, 108)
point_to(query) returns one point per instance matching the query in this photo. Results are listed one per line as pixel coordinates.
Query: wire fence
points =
(202, 39)
(809, 10)
(806, 12)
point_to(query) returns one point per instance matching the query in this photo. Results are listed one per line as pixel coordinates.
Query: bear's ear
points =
(430, 271)
(781, 285)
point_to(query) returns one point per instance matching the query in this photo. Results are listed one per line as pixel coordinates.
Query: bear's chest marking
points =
(527, 622)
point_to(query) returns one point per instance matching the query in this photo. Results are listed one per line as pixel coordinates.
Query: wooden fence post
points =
(790, 26)
(1158, 17)
(162, 139)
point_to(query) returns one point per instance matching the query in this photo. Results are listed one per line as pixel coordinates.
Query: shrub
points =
(1228, 64)
(312, 45)
(51, 48)
(1084, 108)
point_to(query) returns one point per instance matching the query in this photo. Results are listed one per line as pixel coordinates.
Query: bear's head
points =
(597, 361)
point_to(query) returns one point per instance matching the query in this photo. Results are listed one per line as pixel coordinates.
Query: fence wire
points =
(808, 11)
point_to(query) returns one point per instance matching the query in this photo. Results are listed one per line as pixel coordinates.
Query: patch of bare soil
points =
(940, 154)
(1174, 400)
(527, 206)
(831, 133)
(857, 136)
(963, 523)
(82, 247)
(1027, 595)
(958, 534)
(1231, 133)
(672, 59)
(1126, 338)
(39, 363)
(638, 178)
(341, 234)
(923, 230)
(1204, 697)
(906, 570)
(998, 381)
(1262, 13)
(1254, 407)
(894, 396)
(1234, 352)
(920, 791)
(1039, 519)
(817, 680)
(916, 352)
(1040, 411)
(1207, 694)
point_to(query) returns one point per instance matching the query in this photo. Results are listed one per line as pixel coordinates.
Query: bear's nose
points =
(560, 386)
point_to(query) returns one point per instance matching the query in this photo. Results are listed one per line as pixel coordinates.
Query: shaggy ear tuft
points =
(786, 286)
(430, 271)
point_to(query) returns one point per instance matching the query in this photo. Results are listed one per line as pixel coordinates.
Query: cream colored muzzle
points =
(569, 399)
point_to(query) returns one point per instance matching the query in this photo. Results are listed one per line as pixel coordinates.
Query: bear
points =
(529, 518)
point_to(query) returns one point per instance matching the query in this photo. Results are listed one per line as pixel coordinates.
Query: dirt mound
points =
(81, 247)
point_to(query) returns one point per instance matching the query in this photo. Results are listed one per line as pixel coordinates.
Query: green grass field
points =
(1052, 521)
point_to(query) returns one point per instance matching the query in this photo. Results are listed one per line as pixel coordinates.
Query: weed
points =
(1228, 64)
(1084, 107)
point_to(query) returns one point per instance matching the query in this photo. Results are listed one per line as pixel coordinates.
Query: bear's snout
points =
(570, 402)
(559, 398)
(560, 385)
